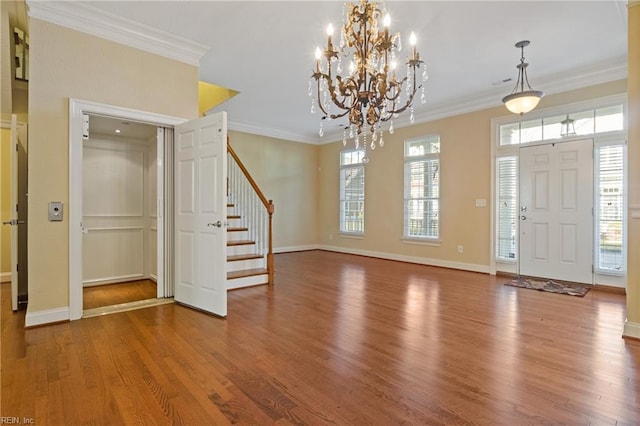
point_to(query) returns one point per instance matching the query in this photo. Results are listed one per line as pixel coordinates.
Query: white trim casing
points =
(5, 277)
(89, 19)
(49, 316)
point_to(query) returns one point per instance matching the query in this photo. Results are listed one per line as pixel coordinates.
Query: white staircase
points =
(250, 260)
(246, 266)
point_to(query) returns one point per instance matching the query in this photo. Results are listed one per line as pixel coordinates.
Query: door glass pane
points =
(552, 127)
(507, 169)
(510, 134)
(611, 208)
(609, 119)
(531, 131)
(583, 122)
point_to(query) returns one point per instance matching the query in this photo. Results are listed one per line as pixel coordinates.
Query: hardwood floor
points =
(115, 294)
(339, 339)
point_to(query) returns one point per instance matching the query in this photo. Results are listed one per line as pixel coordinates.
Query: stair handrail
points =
(268, 204)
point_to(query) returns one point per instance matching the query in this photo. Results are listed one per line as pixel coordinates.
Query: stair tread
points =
(233, 216)
(246, 273)
(237, 229)
(243, 257)
(240, 242)
(230, 205)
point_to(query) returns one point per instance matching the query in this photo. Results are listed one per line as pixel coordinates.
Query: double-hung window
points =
(352, 192)
(422, 187)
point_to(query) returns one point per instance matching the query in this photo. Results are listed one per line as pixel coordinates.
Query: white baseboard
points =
(5, 277)
(410, 259)
(631, 329)
(295, 248)
(112, 280)
(49, 316)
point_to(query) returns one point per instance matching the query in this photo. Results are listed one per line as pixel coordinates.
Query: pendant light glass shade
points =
(521, 101)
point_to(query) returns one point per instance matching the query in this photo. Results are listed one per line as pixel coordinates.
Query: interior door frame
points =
(77, 108)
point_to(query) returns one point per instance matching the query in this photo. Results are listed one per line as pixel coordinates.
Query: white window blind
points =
(507, 209)
(610, 217)
(422, 187)
(351, 192)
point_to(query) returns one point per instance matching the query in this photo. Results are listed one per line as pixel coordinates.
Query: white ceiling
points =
(264, 49)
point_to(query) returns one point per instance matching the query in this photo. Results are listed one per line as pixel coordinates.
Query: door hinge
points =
(16, 207)
(16, 147)
(17, 268)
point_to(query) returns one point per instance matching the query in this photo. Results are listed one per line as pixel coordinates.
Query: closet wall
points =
(119, 210)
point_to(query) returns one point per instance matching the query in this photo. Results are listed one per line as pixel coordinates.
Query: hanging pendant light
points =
(521, 101)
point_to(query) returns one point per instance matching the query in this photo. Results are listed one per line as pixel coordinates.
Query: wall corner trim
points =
(48, 316)
(631, 329)
(94, 21)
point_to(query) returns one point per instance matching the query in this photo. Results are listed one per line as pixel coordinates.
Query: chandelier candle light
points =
(368, 93)
(523, 101)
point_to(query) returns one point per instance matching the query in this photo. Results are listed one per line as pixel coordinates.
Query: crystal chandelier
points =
(369, 92)
(522, 101)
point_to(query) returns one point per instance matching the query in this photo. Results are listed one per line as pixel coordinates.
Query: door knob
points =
(523, 217)
(218, 224)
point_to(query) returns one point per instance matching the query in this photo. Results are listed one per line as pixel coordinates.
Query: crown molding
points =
(91, 20)
(238, 126)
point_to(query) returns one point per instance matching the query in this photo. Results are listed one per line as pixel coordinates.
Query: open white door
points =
(18, 216)
(556, 211)
(14, 213)
(200, 201)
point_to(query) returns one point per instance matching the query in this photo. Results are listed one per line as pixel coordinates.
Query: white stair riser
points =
(247, 281)
(234, 223)
(243, 249)
(241, 265)
(237, 235)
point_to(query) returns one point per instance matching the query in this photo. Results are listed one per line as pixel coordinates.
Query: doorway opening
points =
(106, 195)
(119, 212)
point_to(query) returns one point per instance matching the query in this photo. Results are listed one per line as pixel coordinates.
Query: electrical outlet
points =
(331, 236)
(460, 249)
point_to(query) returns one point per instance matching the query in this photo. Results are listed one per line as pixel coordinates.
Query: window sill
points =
(353, 236)
(421, 241)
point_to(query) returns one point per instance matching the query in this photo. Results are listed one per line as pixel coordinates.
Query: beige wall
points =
(633, 91)
(287, 173)
(5, 201)
(465, 145)
(66, 63)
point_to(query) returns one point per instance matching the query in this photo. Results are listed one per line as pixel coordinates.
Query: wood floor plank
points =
(114, 294)
(339, 339)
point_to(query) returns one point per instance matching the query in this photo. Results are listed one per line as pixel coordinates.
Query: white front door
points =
(200, 200)
(556, 211)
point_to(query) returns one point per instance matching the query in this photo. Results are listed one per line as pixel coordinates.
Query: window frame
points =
(346, 165)
(408, 161)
